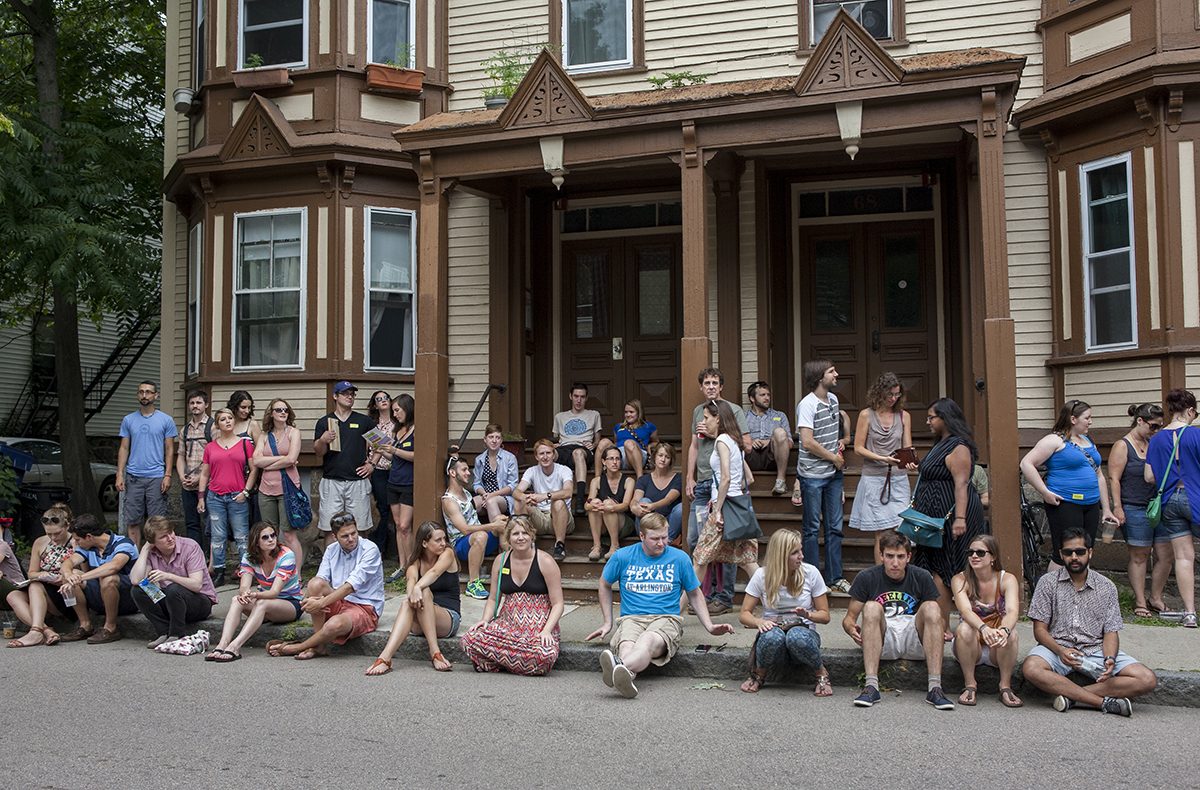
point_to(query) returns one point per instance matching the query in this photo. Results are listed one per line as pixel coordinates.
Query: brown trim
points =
(805, 46)
(762, 289)
(1156, 352)
(637, 57)
(725, 172)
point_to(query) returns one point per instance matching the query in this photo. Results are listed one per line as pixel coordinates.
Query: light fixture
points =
(849, 115)
(552, 159)
(183, 98)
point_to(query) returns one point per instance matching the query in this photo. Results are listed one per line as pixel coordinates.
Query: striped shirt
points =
(285, 568)
(823, 418)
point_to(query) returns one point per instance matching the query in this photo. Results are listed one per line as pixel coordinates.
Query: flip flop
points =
(227, 656)
(379, 662)
(823, 688)
(967, 697)
(1143, 611)
(1009, 699)
(436, 657)
(797, 498)
(275, 644)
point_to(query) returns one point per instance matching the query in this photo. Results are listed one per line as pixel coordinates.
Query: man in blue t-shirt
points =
(96, 576)
(144, 461)
(652, 577)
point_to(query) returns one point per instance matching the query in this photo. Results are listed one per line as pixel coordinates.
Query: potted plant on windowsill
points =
(255, 76)
(506, 68)
(392, 77)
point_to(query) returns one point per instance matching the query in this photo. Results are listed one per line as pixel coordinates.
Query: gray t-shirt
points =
(709, 443)
(572, 428)
(823, 418)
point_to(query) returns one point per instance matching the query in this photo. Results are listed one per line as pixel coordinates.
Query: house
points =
(995, 200)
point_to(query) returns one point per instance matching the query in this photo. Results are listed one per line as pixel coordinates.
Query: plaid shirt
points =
(191, 447)
(1077, 618)
(763, 425)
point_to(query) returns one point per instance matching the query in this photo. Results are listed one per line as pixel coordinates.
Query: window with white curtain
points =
(269, 289)
(1108, 281)
(391, 316)
(195, 273)
(390, 33)
(597, 34)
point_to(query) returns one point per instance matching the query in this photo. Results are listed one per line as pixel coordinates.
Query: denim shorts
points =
(1123, 659)
(1137, 529)
(1176, 518)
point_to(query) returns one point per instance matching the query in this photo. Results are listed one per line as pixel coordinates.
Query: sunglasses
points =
(345, 518)
(977, 552)
(1073, 552)
(280, 409)
(51, 520)
(267, 536)
(382, 399)
(451, 462)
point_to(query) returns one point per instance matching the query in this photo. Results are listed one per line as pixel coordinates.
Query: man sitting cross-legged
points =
(651, 576)
(470, 540)
(103, 586)
(1076, 617)
(900, 619)
(345, 598)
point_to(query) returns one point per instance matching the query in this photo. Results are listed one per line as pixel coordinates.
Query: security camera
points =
(183, 100)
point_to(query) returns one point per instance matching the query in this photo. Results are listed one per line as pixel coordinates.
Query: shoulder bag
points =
(296, 503)
(920, 528)
(740, 521)
(1154, 506)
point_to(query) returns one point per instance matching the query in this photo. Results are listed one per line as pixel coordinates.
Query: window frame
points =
(1085, 253)
(412, 32)
(368, 212)
(195, 280)
(807, 20)
(636, 62)
(199, 43)
(241, 38)
(236, 291)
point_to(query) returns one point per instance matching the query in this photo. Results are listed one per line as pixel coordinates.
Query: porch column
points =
(695, 352)
(999, 343)
(726, 169)
(433, 363)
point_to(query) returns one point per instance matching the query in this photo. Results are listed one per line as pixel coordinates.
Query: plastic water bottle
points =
(1091, 666)
(151, 589)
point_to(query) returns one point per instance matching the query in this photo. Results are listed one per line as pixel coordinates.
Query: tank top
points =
(736, 470)
(445, 591)
(988, 609)
(883, 441)
(607, 493)
(1134, 488)
(1069, 474)
(401, 473)
(469, 514)
(535, 583)
(271, 483)
(51, 558)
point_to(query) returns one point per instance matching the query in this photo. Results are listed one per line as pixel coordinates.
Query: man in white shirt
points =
(819, 463)
(579, 444)
(544, 494)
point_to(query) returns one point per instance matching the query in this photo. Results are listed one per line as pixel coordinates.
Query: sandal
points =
(754, 683)
(594, 555)
(51, 635)
(797, 497)
(1009, 699)
(1156, 608)
(824, 687)
(436, 657)
(18, 643)
(274, 646)
(226, 656)
(379, 662)
(1143, 611)
(968, 696)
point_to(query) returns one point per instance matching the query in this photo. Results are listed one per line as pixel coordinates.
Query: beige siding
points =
(16, 345)
(308, 401)
(1193, 374)
(747, 216)
(177, 127)
(173, 334)
(1110, 387)
(468, 265)
(477, 28)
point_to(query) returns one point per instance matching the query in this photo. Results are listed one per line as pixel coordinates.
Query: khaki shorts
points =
(901, 640)
(629, 628)
(543, 523)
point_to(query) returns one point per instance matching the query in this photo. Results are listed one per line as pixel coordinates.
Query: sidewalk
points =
(1172, 652)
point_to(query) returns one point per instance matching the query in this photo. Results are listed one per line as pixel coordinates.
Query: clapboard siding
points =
(309, 401)
(477, 28)
(1193, 374)
(1111, 387)
(16, 345)
(747, 226)
(468, 272)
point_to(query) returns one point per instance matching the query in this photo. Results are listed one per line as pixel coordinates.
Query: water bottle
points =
(151, 589)
(1091, 666)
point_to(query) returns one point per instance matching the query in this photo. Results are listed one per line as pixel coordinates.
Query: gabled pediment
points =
(547, 95)
(846, 58)
(260, 133)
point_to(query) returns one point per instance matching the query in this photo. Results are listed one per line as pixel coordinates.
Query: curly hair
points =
(877, 395)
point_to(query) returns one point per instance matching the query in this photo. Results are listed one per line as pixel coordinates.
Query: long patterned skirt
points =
(512, 641)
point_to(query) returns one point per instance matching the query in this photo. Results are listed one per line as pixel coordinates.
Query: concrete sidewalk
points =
(1173, 652)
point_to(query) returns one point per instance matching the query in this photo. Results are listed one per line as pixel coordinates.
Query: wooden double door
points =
(622, 320)
(869, 300)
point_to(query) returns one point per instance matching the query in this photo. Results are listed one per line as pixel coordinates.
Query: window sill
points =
(616, 71)
(1154, 352)
(891, 43)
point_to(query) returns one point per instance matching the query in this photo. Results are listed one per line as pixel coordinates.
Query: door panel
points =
(832, 272)
(590, 275)
(654, 327)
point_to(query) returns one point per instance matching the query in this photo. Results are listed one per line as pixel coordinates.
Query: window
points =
(391, 318)
(390, 33)
(195, 272)
(274, 32)
(200, 46)
(883, 19)
(597, 34)
(1111, 302)
(269, 289)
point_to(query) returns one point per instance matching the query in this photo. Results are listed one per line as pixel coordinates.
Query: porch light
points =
(552, 159)
(849, 115)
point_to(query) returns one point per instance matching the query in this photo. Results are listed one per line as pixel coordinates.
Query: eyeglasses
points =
(1073, 552)
(894, 395)
(280, 409)
(1154, 426)
(51, 520)
(977, 552)
(348, 394)
(267, 536)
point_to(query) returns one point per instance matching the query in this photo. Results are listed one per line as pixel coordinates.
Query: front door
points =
(870, 305)
(622, 324)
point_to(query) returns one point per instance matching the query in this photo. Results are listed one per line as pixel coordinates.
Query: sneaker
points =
(608, 662)
(560, 551)
(396, 576)
(160, 640)
(937, 699)
(780, 488)
(868, 698)
(1188, 620)
(475, 589)
(717, 606)
(623, 681)
(1118, 705)
(841, 585)
(1062, 704)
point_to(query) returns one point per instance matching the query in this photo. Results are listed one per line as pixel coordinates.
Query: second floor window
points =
(200, 45)
(874, 15)
(269, 288)
(195, 273)
(597, 34)
(390, 33)
(274, 33)
(391, 315)
(1111, 304)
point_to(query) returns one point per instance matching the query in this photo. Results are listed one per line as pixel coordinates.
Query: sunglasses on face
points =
(266, 536)
(1073, 552)
(280, 410)
(382, 399)
(51, 520)
(977, 552)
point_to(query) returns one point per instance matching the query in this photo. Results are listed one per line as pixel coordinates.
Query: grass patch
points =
(1128, 604)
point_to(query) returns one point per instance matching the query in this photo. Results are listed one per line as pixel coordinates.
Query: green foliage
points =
(254, 61)
(8, 487)
(507, 67)
(678, 79)
(289, 632)
(403, 58)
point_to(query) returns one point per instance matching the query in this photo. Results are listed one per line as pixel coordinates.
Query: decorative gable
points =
(546, 95)
(260, 133)
(847, 58)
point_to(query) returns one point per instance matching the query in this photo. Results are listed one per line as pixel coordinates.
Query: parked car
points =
(47, 469)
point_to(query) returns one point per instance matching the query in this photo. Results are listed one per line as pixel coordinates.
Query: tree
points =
(81, 82)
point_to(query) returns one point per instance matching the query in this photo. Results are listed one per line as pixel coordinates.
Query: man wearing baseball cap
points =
(342, 449)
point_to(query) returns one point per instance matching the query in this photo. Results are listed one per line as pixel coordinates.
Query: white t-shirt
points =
(537, 482)
(737, 474)
(813, 587)
(823, 418)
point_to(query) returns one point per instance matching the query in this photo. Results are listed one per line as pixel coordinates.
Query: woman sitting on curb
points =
(433, 599)
(41, 596)
(988, 601)
(523, 637)
(794, 598)
(270, 568)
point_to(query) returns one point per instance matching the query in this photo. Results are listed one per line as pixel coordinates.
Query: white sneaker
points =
(623, 681)
(608, 662)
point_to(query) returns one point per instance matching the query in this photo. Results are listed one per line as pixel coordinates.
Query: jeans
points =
(777, 648)
(699, 515)
(171, 615)
(674, 520)
(192, 520)
(823, 501)
(1176, 517)
(225, 514)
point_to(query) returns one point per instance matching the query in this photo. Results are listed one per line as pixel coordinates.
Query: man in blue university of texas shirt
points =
(652, 577)
(898, 603)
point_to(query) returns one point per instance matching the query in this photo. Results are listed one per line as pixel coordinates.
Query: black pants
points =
(383, 536)
(171, 615)
(192, 520)
(1070, 514)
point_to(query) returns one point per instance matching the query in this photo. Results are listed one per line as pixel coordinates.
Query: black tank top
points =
(607, 493)
(535, 583)
(445, 591)
(1134, 488)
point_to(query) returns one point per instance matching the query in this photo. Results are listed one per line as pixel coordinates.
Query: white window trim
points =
(195, 278)
(237, 262)
(412, 216)
(812, 21)
(608, 65)
(412, 34)
(1085, 227)
(199, 42)
(241, 34)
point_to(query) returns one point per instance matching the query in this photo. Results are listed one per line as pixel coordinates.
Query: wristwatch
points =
(1110, 658)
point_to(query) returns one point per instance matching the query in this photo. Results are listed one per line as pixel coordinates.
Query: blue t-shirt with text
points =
(650, 585)
(146, 436)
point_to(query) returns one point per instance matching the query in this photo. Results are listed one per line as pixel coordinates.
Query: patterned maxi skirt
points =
(512, 640)
(712, 547)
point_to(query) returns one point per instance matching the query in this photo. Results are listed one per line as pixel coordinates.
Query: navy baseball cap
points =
(342, 386)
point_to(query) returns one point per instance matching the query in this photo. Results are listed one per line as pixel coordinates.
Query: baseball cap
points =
(342, 386)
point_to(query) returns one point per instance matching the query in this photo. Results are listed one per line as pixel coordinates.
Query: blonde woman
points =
(794, 598)
(41, 596)
(634, 436)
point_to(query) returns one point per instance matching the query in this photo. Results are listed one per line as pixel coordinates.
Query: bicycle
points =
(1034, 529)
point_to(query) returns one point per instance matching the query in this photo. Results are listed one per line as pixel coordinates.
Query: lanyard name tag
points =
(1076, 496)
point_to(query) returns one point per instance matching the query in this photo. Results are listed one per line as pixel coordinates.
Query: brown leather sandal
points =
(754, 683)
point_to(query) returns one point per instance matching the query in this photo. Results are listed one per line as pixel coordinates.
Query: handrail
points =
(499, 388)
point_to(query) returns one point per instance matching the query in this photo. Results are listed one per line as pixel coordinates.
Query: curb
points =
(1175, 688)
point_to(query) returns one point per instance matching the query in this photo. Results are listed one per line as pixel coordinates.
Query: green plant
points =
(507, 67)
(289, 632)
(8, 486)
(678, 79)
(403, 58)
(254, 61)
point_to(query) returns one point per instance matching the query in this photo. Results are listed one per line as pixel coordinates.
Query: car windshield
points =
(43, 452)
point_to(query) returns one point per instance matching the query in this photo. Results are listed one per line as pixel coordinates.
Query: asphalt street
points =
(121, 716)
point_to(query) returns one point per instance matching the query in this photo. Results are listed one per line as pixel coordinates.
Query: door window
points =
(654, 270)
(591, 295)
(901, 283)
(831, 284)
